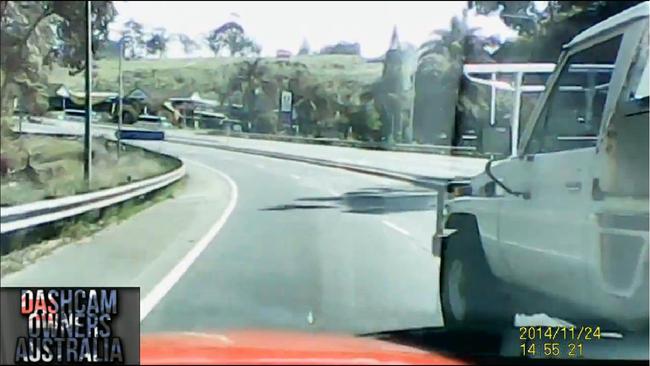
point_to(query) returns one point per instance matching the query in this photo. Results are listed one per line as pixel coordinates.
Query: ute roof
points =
(635, 12)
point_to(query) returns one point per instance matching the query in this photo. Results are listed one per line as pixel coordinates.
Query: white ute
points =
(564, 224)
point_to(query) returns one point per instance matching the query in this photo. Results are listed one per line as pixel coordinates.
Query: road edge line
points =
(162, 288)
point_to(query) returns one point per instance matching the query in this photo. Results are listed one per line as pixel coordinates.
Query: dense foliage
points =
(231, 36)
(39, 34)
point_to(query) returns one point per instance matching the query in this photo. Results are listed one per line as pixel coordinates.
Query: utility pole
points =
(89, 108)
(121, 96)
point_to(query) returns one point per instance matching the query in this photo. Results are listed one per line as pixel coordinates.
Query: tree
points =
(110, 50)
(134, 43)
(522, 16)
(248, 77)
(342, 48)
(304, 48)
(365, 122)
(35, 34)
(231, 36)
(71, 31)
(222, 85)
(21, 21)
(389, 91)
(189, 45)
(440, 64)
(544, 31)
(527, 19)
(157, 42)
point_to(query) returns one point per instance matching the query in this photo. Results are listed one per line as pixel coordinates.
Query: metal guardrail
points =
(36, 213)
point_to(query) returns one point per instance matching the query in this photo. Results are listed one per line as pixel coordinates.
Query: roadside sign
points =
(285, 101)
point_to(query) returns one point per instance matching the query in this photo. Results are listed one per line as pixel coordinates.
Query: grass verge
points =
(45, 167)
(24, 247)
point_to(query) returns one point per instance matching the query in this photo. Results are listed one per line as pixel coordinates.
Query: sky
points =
(284, 25)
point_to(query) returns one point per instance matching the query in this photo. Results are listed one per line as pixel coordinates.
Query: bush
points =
(342, 48)
(365, 123)
(267, 123)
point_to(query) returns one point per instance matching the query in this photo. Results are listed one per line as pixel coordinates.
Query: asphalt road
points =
(307, 248)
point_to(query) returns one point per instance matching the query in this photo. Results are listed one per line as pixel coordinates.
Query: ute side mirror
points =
(488, 171)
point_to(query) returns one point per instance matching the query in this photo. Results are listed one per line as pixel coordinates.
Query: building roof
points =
(96, 97)
(210, 114)
(635, 12)
(138, 93)
(95, 94)
(196, 98)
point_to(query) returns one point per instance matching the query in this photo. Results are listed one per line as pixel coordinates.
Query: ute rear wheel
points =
(471, 296)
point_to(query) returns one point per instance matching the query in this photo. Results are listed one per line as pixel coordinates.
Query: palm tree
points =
(458, 41)
(247, 78)
(438, 75)
(258, 87)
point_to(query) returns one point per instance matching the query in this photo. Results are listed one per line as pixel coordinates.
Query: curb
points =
(434, 183)
(382, 146)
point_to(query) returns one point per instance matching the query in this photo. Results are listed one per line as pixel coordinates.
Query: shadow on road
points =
(379, 200)
(295, 207)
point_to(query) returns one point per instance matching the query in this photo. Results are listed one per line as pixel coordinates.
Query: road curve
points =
(307, 248)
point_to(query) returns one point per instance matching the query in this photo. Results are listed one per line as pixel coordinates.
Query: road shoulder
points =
(140, 251)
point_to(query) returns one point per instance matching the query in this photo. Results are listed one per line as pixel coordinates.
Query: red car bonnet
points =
(279, 348)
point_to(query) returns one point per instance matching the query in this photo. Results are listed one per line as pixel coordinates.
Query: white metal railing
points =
(517, 87)
(532, 68)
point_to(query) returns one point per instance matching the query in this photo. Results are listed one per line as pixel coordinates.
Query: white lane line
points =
(162, 288)
(294, 176)
(395, 227)
(261, 166)
(333, 192)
